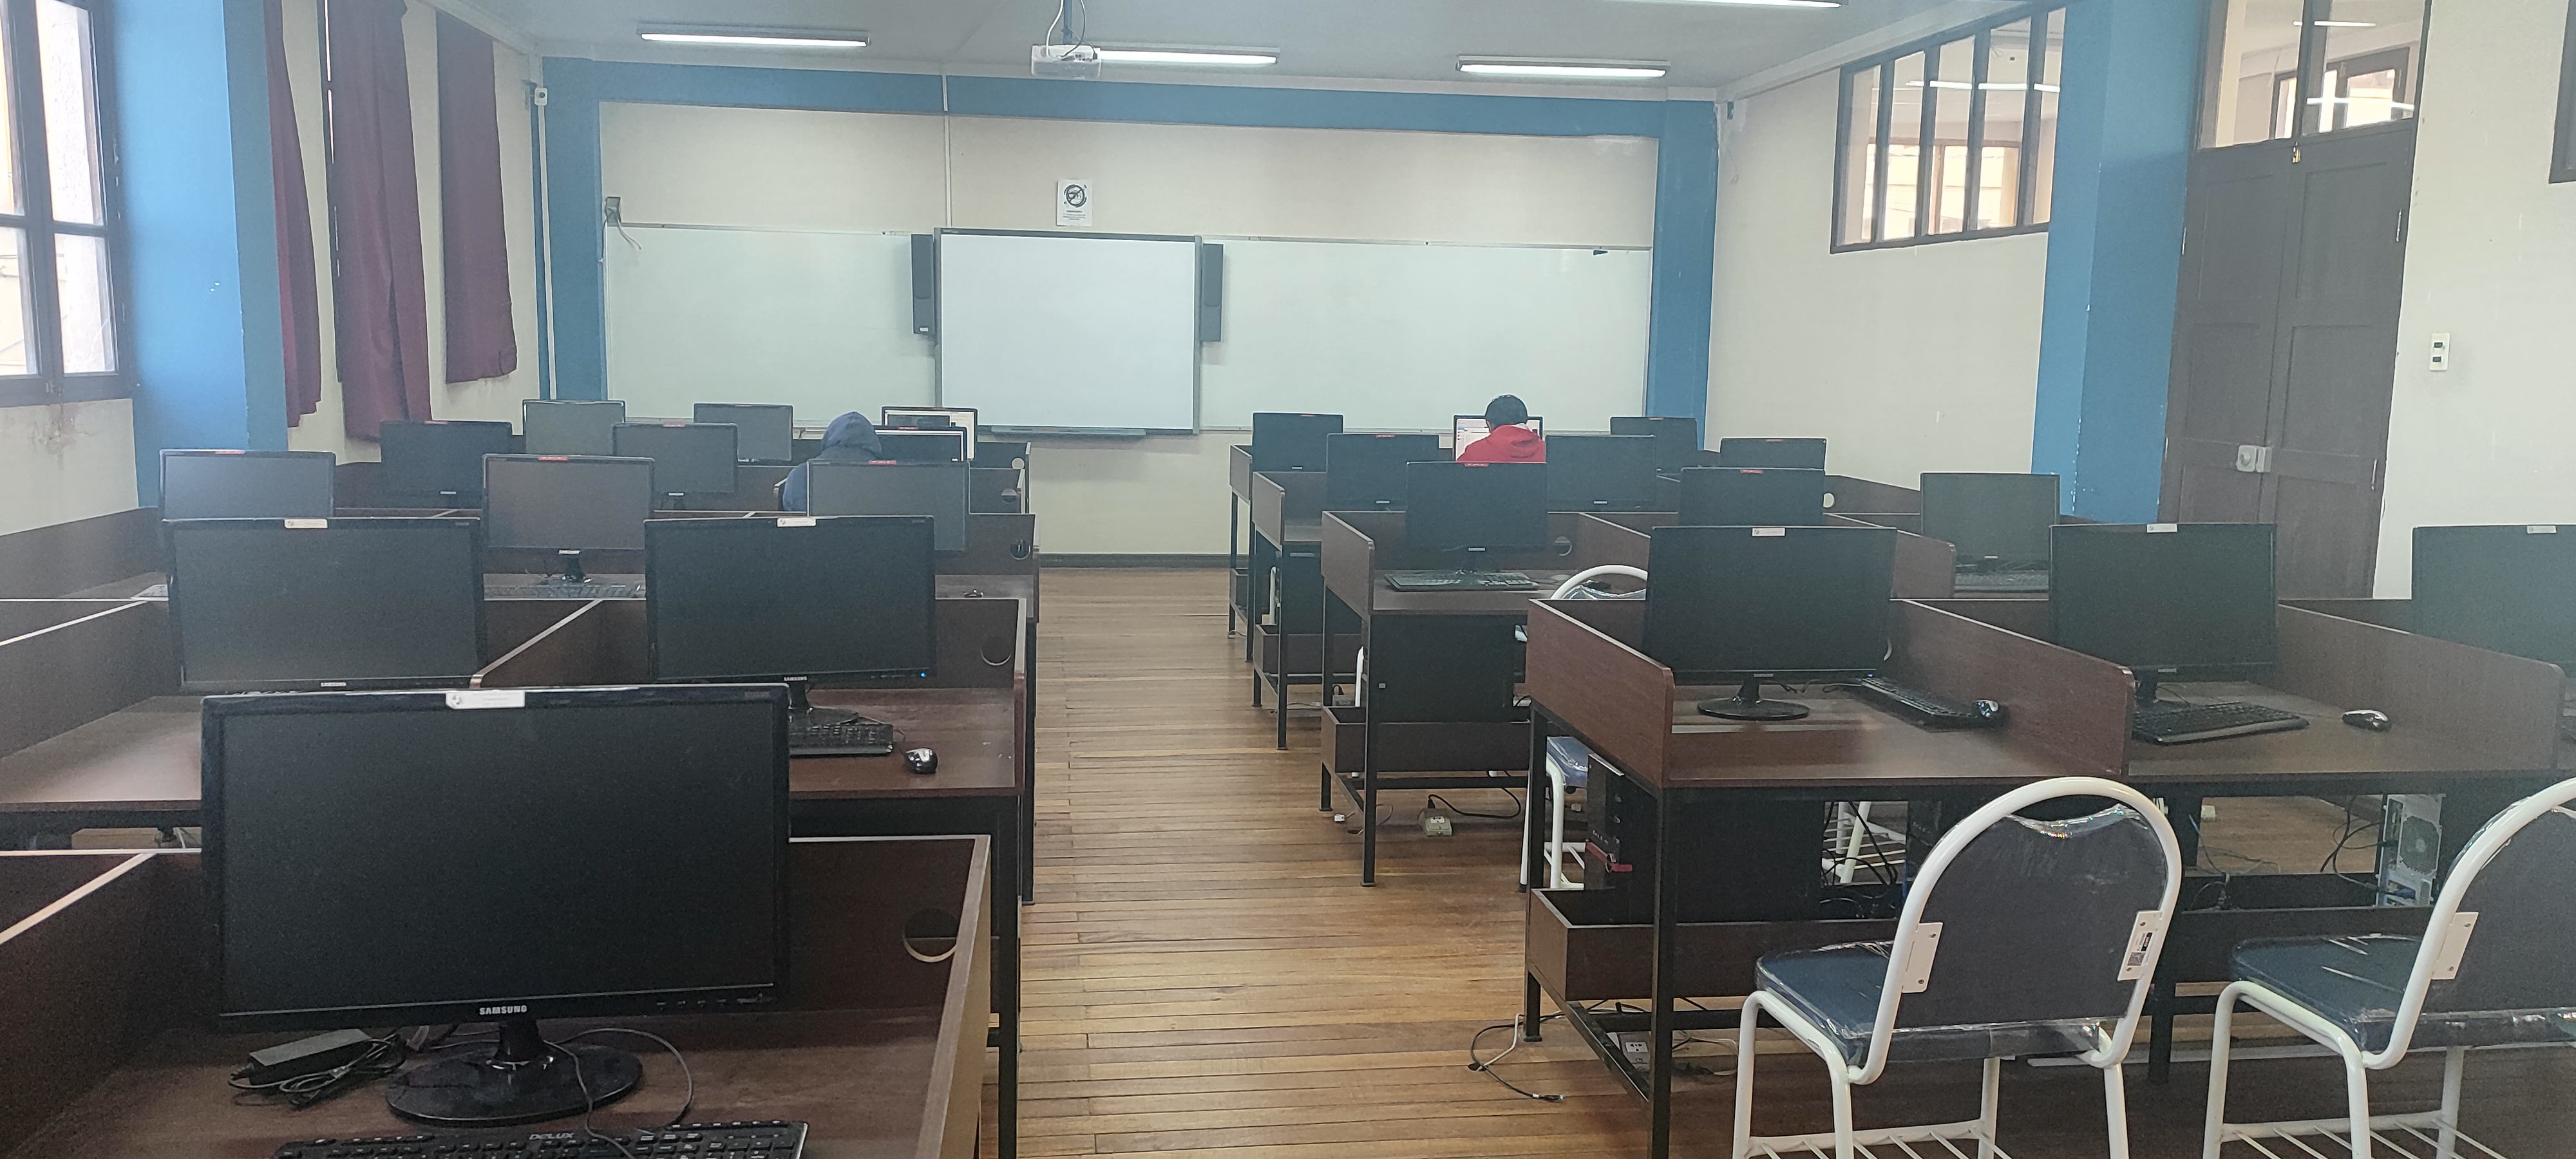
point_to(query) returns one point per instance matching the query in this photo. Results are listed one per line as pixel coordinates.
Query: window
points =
(2562, 161)
(2299, 68)
(58, 292)
(1950, 140)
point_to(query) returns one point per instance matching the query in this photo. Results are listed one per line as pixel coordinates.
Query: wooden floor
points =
(1206, 978)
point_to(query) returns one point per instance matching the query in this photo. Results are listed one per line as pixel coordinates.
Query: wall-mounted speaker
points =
(1211, 293)
(925, 284)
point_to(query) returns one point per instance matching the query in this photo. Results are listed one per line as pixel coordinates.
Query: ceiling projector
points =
(1065, 61)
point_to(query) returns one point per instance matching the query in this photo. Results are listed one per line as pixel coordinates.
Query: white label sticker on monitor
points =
(488, 698)
(1918, 961)
(2141, 954)
(2163, 528)
(2541, 529)
(2455, 944)
(797, 521)
(307, 524)
(1770, 532)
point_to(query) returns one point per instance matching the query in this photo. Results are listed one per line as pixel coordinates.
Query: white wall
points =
(1922, 358)
(67, 462)
(2490, 260)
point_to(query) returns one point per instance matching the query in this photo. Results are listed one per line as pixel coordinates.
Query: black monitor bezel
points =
(330, 477)
(2178, 673)
(1417, 471)
(962, 440)
(1645, 497)
(490, 545)
(466, 497)
(1721, 676)
(819, 468)
(1667, 431)
(885, 418)
(176, 607)
(526, 403)
(1924, 486)
(697, 417)
(1710, 475)
(1254, 450)
(2518, 531)
(733, 462)
(739, 525)
(1820, 464)
(1333, 502)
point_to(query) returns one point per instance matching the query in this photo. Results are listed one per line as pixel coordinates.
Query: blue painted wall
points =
(191, 81)
(1685, 256)
(2124, 139)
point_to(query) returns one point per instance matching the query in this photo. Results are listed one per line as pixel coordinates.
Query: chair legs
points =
(2358, 1124)
(2115, 1109)
(1846, 1141)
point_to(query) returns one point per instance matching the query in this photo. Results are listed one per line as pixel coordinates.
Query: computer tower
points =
(2410, 848)
(1735, 861)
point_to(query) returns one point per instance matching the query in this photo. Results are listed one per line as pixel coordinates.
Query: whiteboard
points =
(1401, 336)
(1069, 332)
(818, 320)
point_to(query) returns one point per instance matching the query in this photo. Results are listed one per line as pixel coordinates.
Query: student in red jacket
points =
(1508, 441)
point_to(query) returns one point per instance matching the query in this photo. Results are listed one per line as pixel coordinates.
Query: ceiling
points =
(1707, 45)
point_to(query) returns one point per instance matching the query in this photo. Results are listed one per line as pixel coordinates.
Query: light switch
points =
(2441, 352)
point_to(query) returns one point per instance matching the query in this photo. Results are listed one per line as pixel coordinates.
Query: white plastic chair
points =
(1568, 762)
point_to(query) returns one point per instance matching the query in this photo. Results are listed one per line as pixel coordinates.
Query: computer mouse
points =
(1990, 711)
(2367, 718)
(921, 761)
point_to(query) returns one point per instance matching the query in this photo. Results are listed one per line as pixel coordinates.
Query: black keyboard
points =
(773, 1139)
(2183, 723)
(2001, 581)
(1923, 707)
(1459, 581)
(839, 738)
(590, 590)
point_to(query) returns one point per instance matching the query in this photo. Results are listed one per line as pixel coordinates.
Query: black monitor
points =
(1600, 472)
(1753, 497)
(1475, 507)
(1366, 472)
(567, 504)
(1676, 439)
(246, 484)
(1768, 604)
(1283, 441)
(933, 418)
(2508, 589)
(2168, 601)
(1809, 453)
(688, 458)
(268, 605)
(924, 444)
(763, 432)
(937, 490)
(1998, 522)
(440, 458)
(562, 426)
(406, 858)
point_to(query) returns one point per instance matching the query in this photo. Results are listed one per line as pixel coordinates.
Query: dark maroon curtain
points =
(481, 342)
(298, 299)
(384, 313)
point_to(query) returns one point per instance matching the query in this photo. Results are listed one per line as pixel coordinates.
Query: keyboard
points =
(2002, 581)
(2183, 723)
(1922, 707)
(587, 590)
(1459, 581)
(773, 1139)
(839, 738)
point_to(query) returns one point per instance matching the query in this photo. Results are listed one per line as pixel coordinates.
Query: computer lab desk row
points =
(2477, 726)
(879, 1044)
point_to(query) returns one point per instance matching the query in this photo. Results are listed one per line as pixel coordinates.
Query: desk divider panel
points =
(2066, 704)
(49, 561)
(994, 490)
(1603, 542)
(996, 545)
(605, 642)
(1349, 543)
(1909, 523)
(2398, 614)
(1238, 469)
(1284, 498)
(56, 679)
(2022, 617)
(2504, 705)
(1582, 669)
(91, 979)
(1856, 494)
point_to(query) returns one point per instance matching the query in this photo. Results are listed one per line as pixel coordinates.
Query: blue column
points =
(1685, 262)
(191, 80)
(2124, 139)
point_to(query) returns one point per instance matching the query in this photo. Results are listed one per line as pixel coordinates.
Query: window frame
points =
(47, 383)
(1978, 35)
(2562, 154)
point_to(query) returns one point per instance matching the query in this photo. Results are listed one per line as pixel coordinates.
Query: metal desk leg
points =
(2160, 999)
(1530, 1016)
(1279, 700)
(1029, 791)
(1006, 972)
(1326, 665)
(1537, 868)
(1233, 530)
(1659, 1137)
(1368, 769)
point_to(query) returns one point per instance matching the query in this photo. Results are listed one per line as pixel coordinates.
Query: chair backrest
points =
(2015, 920)
(2502, 931)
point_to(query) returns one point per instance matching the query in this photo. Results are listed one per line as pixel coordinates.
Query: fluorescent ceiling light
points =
(1593, 69)
(752, 37)
(2335, 24)
(1223, 56)
(1770, 3)
(1992, 86)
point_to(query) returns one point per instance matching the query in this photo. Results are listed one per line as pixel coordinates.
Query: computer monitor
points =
(1600, 472)
(1676, 439)
(566, 504)
(931, 418)
(268, 605)
(405, 858)
(246, 484)
(2508, 589)
(1366, 472)
(688, 458)
(924, 444)
(1998, 522)
(1753, 497)
(763, 432)
(1475, 507)
(1468, 430)
(2169, 601)
(570, 426)
(1292, 442)
(1809, 453)
(1768, 604)
(440, 458)
(936, 490)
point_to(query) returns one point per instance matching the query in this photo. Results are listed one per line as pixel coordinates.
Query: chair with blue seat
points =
(2492, 969)
(2020, 937)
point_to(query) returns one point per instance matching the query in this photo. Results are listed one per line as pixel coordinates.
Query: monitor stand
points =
(1747, 704)
(803, 713)
(572, 570)
(523, 1080)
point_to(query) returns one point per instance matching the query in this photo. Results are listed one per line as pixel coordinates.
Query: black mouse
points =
(2367, 718)
(921, 761)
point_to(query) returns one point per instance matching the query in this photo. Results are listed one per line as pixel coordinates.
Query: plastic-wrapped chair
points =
(1569, 770)
(2372, 999)
(2019, 937)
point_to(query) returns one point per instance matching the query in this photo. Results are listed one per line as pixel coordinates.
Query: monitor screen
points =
(688, 458)
(1676, 439)
(569, 427)
(937, 490)
(1468, 430)
(1752, 497)
(566, 502)
(763, 432)
(933, 418)
(1366, 472)
(2508, 589)
(440, 458)
(1731, 602)
(1809, 453)
(246, 484)
(760, 599)
(920, 445)
(383, 858)
(269, 605)
(1475, 506)
(1292, 442)
(1600, 472)
(1994, 520)
(2167, 599)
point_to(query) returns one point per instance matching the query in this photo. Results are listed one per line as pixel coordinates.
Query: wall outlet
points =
(2441, 352)
(614, 210)
(2208, 811)
(1637, 1047)
(1437, 825)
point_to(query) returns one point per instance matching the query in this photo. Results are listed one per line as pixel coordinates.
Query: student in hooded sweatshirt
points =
(850, 439)
(1507, 441)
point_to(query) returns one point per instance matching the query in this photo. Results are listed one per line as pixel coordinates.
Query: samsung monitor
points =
(569, 426)
(1600, 472)
(763, 432)
(793, 597)
(1753, 497)
(265, 605)
(688, 458)
(924, 444)
(1475, 507)
(1808, 453)
(936, 490)
(2168, 601)
(1676, 439)
(1366, 472)
(247, 484)
(1467, 430)
(440, 459)
(932, 418)
(1998, 522)
(2507, 589)
(567, 504)
(1292, 442)
(410, 858)
(1773, 605)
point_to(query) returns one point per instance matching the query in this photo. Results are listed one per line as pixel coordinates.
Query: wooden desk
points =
(1238, 478)
(62, 558)
(1001, 561)
(881, 1052)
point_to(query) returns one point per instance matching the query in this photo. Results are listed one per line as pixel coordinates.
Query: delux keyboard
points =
(772, 1139)
(851, 738)
(2183, 723)
(1459, 581)
(591, 590)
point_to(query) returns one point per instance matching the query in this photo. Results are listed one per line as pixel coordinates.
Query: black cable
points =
(1514, 815)
(589, 1105)
(1487, 1066)
(688, 1097)
(383, 1057)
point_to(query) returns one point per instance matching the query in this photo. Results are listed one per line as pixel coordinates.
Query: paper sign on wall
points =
(1073, 201)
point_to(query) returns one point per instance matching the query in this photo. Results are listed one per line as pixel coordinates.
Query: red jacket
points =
(1507, 445)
